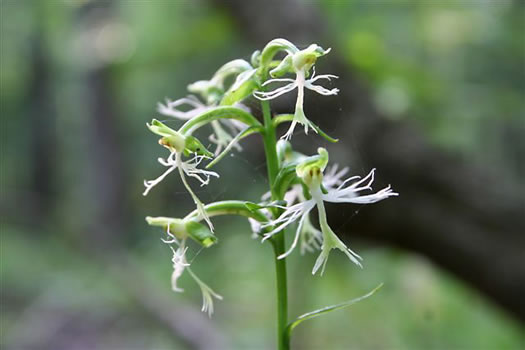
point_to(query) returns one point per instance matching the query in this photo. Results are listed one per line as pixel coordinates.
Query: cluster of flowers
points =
(308, 182)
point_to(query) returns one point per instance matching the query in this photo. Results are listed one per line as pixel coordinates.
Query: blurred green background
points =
(80, 269)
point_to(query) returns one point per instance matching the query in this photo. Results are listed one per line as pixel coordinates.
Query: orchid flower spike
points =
(310, 171)
(178, 145)
(299, 62)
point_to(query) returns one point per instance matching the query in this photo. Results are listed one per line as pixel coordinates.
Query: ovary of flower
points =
(189, 168)
(300, 83)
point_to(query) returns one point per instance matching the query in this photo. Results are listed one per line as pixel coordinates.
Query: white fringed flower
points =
(189, 168)
(310, 237)
(300, 83)
(340, 194)
(300, 63)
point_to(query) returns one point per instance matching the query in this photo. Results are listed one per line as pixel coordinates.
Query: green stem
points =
(270, 146)
(282, 292)
(278, 240)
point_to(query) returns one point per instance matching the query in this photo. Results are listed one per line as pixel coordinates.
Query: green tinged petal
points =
(305, 59)
(310, 164)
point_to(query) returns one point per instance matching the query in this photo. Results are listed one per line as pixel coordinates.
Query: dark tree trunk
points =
(42, 122)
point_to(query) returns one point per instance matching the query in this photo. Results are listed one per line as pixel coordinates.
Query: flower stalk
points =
(298, 183)
(278, 241)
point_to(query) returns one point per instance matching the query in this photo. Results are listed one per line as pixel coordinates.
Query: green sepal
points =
(305, 59)
(170, 139)
(319, 312)
(159, 128)
(274, 46)
(310, 170)
(319, 161)
(200, 233)
(217, 113)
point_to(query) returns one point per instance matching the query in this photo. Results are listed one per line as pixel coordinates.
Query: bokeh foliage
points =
(456, 69)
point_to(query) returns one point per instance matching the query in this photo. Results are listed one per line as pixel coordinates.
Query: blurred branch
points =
(464, 218)
(41, 119)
